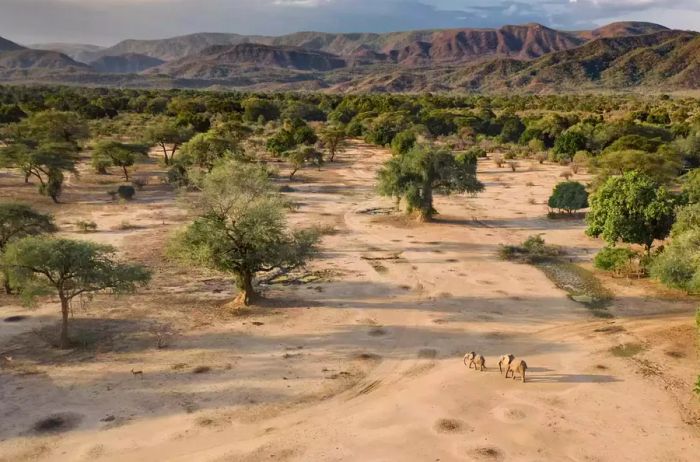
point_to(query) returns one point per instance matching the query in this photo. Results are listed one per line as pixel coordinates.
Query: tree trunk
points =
(332, 152)
(64, 341)
(126, 173)
(247, 293)
(291, 175)
(426, 209)
(6, 284)
(165, 154)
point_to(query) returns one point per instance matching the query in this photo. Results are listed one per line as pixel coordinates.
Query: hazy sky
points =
(105, 22)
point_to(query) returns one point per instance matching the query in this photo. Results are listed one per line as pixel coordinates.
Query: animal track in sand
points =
(451, 426)
(509, 414)
(487, 453)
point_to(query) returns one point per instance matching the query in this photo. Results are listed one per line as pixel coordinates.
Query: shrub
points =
(85, 226)
(568, 196)
(178, 177)
(540, 157)
(617, 260)
(126, 192)
(533, 250)
(678, 265)
(498, 160)
(513, 165)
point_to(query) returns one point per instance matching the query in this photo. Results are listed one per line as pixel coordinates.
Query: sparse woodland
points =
(628, 163)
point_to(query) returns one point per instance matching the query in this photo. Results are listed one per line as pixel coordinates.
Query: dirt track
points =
(367, 365)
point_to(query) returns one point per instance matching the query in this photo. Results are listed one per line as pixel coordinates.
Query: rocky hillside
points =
(221, 62)
(523, 41)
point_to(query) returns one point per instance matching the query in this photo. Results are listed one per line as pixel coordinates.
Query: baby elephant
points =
(519, 366)
(505, 361)
(478, 361)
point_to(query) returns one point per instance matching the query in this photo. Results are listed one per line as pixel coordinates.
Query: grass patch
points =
(627, 350)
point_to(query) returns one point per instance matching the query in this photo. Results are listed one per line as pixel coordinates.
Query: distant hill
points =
(129, 63)
(6, 45)
(221, 62)
(77, 51)
(530, 57)
(523, 41)
(27, 59)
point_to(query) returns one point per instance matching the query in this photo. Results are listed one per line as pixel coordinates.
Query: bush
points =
(85, 226)
(568, 196)
(678, 265)
(178, 177)
(617, 260)
(533, 250)
(498, 160)
(126, 192)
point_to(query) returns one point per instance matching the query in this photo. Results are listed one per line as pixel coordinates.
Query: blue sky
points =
(105, 22)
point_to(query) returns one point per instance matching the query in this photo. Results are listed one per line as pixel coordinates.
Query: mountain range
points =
(528, 57)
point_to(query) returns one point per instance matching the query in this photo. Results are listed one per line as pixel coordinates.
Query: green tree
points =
(631, 208)
(569, 196)
(205, 149)
(333, 140)
(241, 228)
(304, 155)
(424, 171)
(255, 109)
(45, 161)
(662, 166)
(403, 142)
(166, 132)
(118, 154)
(569, 143)
(18, 221)
(691, 186)
(39, 265)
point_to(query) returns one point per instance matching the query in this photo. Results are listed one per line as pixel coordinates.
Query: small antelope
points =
(139, 373)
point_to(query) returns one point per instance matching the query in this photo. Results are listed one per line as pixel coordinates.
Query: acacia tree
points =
(120, 155)
(631, 208)
(241, 228)
(302, 156)
(333, 139)
(18, 221)
(68, 268)
(205, 149)
(167, 132)
(424, 171)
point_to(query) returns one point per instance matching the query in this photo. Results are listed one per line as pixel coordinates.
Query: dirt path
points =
(369, 365)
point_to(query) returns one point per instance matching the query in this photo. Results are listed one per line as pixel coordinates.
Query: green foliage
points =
(206, 149)
(333, 139)
(241, 228)
(679, 264)
(569, 196)
(631, 208)
(403, 142)
(691, 186)
(67, 268)
(118, 154)
(424, 171)
(568, 144)
(618, 260)
(164, 132)
(532, 250)
(662, 166)
(302, 156)
(258, 109)
(85, 226)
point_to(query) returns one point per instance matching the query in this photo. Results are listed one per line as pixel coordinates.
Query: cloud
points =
(107, 21)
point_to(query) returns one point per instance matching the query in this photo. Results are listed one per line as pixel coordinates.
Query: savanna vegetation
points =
(642, 152)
